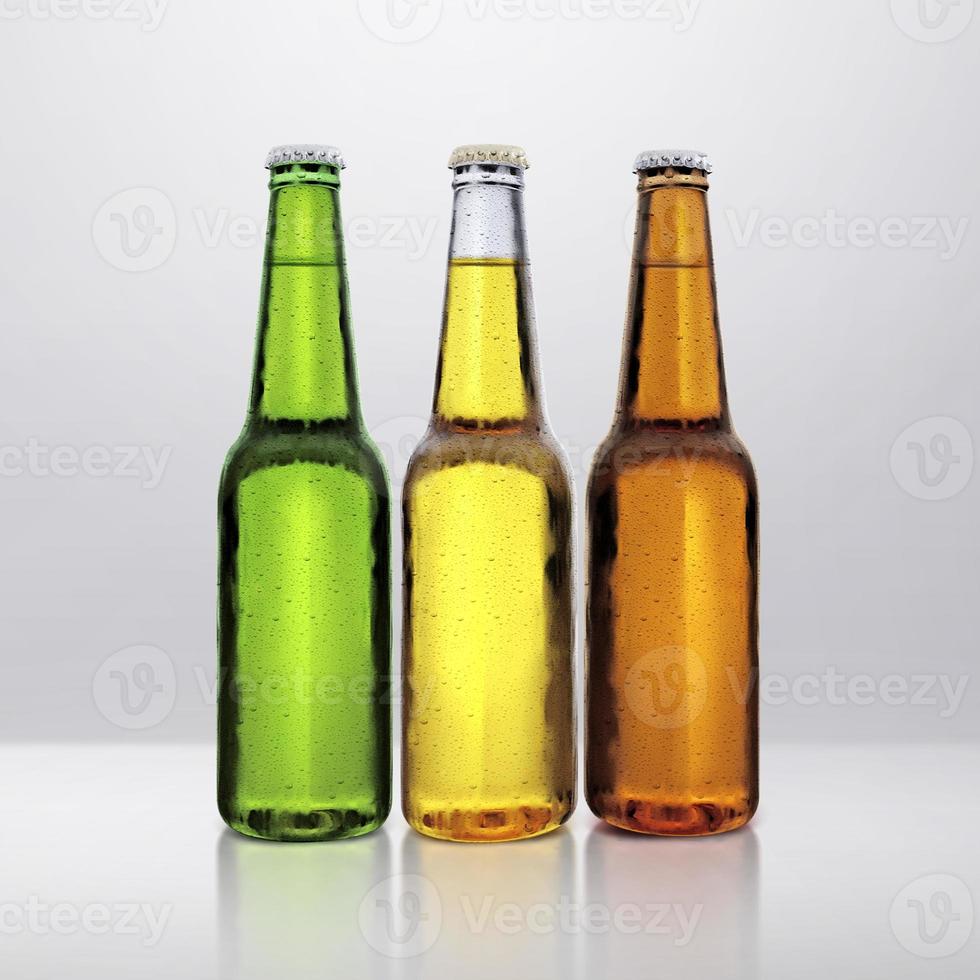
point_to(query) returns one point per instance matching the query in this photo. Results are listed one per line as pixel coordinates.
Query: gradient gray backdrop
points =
(843, 208)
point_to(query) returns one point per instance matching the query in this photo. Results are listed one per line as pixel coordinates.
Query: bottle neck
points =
(304, 367)
(487, 375)
(672, 375)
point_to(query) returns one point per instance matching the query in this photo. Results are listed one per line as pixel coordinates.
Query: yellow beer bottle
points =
(671, 701)
(488, 727)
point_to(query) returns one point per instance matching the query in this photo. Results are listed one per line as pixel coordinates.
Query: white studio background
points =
(844, 207)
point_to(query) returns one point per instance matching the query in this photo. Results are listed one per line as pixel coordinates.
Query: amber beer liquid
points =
(672, 709)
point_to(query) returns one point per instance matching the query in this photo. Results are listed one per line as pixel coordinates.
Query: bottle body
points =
(672, 712)
(488, 745)
(304, 593)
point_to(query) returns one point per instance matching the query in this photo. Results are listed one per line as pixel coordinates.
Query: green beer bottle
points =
(304, 632)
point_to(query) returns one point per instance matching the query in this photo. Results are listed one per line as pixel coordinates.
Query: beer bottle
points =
(488, 743)
(304, 594)
(672, 710)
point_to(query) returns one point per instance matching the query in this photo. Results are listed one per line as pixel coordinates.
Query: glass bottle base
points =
(699, 818)
(303, 825)
(489, 825)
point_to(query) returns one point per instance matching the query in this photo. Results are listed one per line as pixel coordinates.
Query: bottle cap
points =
(304, 153)
(500, 153)
(652, 159)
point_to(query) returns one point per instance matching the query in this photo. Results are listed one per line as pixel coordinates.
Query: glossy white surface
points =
(114, 863)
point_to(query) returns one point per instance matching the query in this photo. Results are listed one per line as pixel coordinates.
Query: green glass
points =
(304, 632)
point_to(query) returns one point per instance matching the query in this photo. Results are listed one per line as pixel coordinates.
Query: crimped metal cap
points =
(652, 159)
(304, 153)
(510, 156)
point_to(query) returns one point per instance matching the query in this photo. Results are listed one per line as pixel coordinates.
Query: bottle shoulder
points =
(631, 451)
(534, 451)
(348, 447)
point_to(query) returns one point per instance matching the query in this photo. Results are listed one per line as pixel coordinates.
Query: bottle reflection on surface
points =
(682, 905)
(503, 910)
(288, 912)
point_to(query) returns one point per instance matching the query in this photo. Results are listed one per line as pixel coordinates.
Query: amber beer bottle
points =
(488, 740)
(672, 709)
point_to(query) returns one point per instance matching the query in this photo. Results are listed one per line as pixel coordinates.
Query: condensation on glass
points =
(672, 622)
(304, 726)
(488, 730)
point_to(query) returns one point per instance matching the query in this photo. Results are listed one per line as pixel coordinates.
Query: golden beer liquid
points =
(672, 729)
(487, 738)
